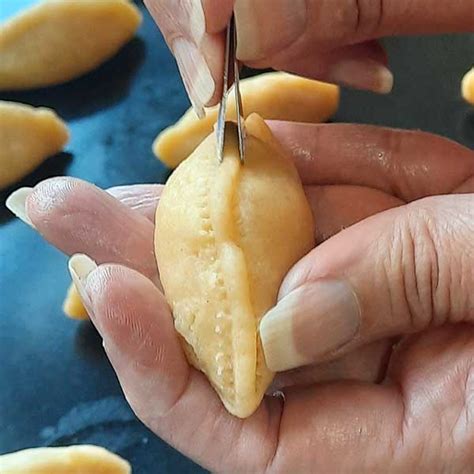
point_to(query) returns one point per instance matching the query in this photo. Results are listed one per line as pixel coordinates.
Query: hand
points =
(417, 419)
(332, 40)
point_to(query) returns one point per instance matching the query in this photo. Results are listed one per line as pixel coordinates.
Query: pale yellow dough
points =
(72, 305)
(28, 136)
(82, 459)
(274, 95)
(225, 237)
(58, 40)
(468, 87)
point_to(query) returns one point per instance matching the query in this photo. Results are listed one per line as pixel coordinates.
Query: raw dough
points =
(28, 136)
(72, 305)
(274, 95)
(468, 87)
(58, 40)
(83, 459)
(225, 237)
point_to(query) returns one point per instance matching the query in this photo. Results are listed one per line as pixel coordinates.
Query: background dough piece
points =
(226, 235)
(82, 459)
(58, 40)
(72, 305)
(274, 95)
(468, 87)
(28, 136)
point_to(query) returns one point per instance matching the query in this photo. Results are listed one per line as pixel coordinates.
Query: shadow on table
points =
(98, 90)
(467, 129)
(88, 343)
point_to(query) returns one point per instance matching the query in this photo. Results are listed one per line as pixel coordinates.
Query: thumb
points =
(396, 273)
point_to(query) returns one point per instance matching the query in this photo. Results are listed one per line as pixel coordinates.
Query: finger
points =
(142, 198)
(407, 164)
(360, 66)
(338, 421)
(191, 33)
(338, 207)
(218, 13)
(172, 399)
(76, 216)
(273, 37)
(420, 418)
(365, 364)
(396, 273)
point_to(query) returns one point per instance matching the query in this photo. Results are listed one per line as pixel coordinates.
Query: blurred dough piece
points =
(468, 87)
(226, 235)
(82, 459)
(28, 136)
(274, 96)
(73, 306)
(59, 40)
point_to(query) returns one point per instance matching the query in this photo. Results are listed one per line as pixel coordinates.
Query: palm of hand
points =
(332, 413)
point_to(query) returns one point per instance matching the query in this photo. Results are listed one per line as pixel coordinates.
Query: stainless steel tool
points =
(231, 72)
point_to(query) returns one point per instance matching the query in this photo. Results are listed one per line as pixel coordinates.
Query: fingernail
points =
(196, 74)
(264, 30)
(362, 74)
(80, 267)
(308, 323)
(16, 202)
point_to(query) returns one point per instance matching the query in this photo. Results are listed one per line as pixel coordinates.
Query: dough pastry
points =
(58, 40)
(82, 459)
(467, 87)
(274, 95)
(73, 306)
(28, 136)
(226, 235)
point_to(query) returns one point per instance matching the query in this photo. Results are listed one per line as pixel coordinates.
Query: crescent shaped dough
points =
(81, 459)
(226, 235)
(274, 95)
(59, 40)
(28, 136)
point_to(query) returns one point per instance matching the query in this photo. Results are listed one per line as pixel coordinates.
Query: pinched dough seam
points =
(223, 325)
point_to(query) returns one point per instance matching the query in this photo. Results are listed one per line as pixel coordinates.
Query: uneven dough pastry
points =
(59, 40)
(28, 136)
(468, 87)
(72, 305)
(274, 95)
(82, 459)
(225, 237)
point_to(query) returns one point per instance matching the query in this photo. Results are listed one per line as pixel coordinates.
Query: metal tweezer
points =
(231, 71)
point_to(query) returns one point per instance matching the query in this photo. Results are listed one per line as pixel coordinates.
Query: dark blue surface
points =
(56, 386)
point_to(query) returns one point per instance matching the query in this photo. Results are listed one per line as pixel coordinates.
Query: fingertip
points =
(309, 323)
(17, 204)
(48, 196)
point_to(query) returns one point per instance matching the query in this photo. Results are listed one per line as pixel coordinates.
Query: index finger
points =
(406, 164)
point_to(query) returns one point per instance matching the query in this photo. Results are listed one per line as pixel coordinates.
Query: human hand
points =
(332, 40)
(418, 418)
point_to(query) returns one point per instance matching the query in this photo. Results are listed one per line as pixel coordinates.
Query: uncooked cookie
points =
(274, 95)
(58, 40)
(28, 136)
(226, 235)
(73, 306)
(467, 87)
(81, 459)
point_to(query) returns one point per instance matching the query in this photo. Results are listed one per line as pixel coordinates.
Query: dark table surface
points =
(56, 385)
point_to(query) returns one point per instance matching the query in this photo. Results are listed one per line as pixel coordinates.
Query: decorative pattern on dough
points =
(225, 237)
